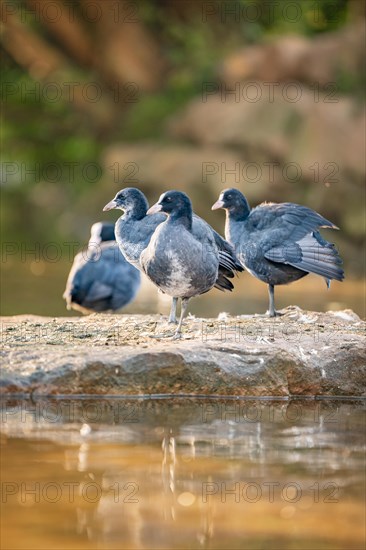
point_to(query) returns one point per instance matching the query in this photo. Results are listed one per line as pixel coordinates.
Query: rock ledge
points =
(299, 354)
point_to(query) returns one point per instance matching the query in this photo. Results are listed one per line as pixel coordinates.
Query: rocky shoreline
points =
(299, 354)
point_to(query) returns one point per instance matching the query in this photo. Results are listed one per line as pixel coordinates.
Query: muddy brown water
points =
(182, 473)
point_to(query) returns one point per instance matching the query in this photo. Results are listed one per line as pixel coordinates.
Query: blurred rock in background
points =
(190, 95)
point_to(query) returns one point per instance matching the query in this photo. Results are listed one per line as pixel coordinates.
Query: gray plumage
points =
(179, 260)
(279, 243)
(135, 228)
(100, 278)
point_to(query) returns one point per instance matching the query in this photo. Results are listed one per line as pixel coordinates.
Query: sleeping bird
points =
(100, 278)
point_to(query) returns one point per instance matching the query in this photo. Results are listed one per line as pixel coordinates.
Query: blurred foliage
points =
(37, 131)
(193, 49)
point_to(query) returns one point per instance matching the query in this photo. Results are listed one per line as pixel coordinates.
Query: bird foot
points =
(172, 321)
(274, 313)
(177, 336)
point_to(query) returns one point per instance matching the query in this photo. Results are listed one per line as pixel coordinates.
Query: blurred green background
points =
(198, 96)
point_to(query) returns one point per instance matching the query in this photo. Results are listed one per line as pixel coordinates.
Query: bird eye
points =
(168, 199)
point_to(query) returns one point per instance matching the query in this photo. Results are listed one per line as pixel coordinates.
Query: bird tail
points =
(320, 257)
(73, 296)
(229, 264)
(223, 283)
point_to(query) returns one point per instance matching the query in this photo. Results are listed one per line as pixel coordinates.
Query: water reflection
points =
(183, 473)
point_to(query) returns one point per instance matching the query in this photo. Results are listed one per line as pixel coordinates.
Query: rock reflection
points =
(189, 473)
(168, 475)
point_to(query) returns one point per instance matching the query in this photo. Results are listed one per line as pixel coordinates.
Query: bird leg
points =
(172, 319)
(272, 311)
(173, 312)
(178, 333)
(183, 309)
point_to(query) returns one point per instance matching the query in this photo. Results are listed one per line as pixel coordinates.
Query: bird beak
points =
(218, 204)
(110, 206)
(154, 209)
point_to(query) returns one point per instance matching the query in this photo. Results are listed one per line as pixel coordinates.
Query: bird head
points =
(228, 199)
(172, 202)
(101, 232)
(128, 199)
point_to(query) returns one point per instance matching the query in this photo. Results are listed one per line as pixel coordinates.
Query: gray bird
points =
(100, 278)
(135, 228)
(278, 243)
(183, 263)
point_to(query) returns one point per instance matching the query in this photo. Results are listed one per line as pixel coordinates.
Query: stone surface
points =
(290, 124)
(298, 59)
(299, 354)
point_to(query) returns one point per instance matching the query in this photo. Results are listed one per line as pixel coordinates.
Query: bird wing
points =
(132, 230)
(133, 236)
(286, 221)
(98, 291)
(114, 270)
(228, 262)
(311, 253)
(74, 278)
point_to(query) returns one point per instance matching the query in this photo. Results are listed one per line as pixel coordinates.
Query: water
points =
(183, 473)
(37, 287)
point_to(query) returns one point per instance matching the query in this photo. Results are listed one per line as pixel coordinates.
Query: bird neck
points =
(107, 234)
(182, 217)
(240, 211)
(138, 210)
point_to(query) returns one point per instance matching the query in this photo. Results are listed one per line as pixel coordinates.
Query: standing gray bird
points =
(135, 228)
(100, 278)
(278, 243)
(183, 263)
